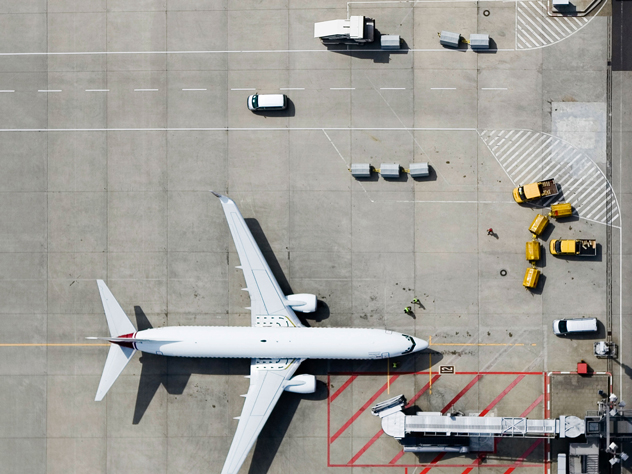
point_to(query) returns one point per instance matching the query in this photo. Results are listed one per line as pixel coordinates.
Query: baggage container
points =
(561, 210)
(539, 224)
(533, 251)
(531, 278)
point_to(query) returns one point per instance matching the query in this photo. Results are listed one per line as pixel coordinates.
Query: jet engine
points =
(303, 302)
(303, 383)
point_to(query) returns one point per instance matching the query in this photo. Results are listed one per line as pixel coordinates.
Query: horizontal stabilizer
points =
(128, 339)
(118, 322)
(118, 357)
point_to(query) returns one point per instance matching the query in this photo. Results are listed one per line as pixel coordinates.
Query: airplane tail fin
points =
(119, 324)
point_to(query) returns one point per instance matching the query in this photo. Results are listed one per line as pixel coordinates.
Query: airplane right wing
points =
(268, 303)
(267, 381)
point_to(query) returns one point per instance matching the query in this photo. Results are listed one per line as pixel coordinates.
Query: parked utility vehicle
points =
(533, 191)
(581, 247)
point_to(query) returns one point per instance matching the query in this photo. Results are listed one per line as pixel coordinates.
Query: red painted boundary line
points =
(422, 391)
(426, 373)
(366, 446)
(342, 388)
(521, 459)
(364, 407)
(532, 406)
(397, 457)
(462, 392)
(521, 464)
(502, 395)
(475, 464)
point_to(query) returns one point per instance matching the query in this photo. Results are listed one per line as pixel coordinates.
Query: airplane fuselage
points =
(275, 342)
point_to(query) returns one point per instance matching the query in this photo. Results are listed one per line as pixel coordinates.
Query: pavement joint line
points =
(239, 129)
(101, 53)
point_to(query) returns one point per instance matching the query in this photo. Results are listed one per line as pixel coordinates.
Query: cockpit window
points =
(412, 344)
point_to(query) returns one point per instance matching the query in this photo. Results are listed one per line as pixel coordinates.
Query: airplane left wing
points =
(267, 382)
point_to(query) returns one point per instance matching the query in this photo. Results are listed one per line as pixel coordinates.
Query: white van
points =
(562, 327)
(267, 102)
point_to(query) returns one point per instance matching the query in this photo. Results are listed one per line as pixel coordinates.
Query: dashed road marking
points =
(342, 88)
(8, 90)
(244, 89)
(443, 88)
(49, 90)
(291, 88)
(194, 89)
(97, 90)
(145, 90)
(528, 156)
(392, 88)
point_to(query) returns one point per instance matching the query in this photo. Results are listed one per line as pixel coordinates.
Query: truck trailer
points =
(356, 30)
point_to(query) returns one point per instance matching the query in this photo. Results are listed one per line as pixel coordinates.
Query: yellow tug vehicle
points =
(534, 191)
(580, 247)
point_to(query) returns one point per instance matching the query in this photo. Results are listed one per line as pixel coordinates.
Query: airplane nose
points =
(420, 344)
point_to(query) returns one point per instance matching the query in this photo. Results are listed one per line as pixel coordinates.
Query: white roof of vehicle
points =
(354, 27)
(270, 100)
(583, 324)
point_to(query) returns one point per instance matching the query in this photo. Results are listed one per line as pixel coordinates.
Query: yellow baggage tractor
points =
(539, 224)
(561, 210)
(533, 251)
(531, 278)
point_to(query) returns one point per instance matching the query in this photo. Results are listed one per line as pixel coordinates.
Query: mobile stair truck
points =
(356, 30)
(534, 191)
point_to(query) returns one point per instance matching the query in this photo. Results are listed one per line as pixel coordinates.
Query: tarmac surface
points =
(117, 119)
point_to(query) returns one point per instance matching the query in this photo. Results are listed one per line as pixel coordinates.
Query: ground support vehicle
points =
(580, 247)
(533, 191)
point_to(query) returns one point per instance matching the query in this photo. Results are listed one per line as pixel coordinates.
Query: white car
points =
(267, 102)
(562, 327)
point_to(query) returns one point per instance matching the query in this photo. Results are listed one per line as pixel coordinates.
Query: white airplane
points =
(276, 341)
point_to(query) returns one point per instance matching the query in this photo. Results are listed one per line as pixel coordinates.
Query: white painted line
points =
(8, 90)
(194, 89)
(342, 88)
(493, 88)
(97, 90)
(246, 89)
(443, 88)
(49, 90)
(291, 88)
(145, 90)
(392, 88)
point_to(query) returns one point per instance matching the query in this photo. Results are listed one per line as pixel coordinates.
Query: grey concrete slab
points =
(432, 18)
(247, 151)
(141, 6)
(210, 29)
(196, 5)
(71, 412)
(196, 454)
(31, 6)
(77, 161)
(446, 98)
(137, 222)
(137, 161)
(129, 31)
(77, 32)
(137, 108)
(26, 107)
(523, 89)
(147, 455)
(312, 229)
(62, 6)
(23, 32)
(196, 161)
(186, 108)
(33, 458)
(319, 161)
(267, 30)
(74, 107)
(77, 222)
(434, 233)
(586, 51)
(71, 281)
(14, 391)
(23, 222)
(64, 454)
(371, 105)
(23, 162)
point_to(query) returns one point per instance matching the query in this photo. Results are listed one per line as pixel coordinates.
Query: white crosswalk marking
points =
(528, 156)
(536, 29)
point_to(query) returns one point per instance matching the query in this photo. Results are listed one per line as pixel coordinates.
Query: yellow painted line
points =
(52, 345)
(478, 344)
